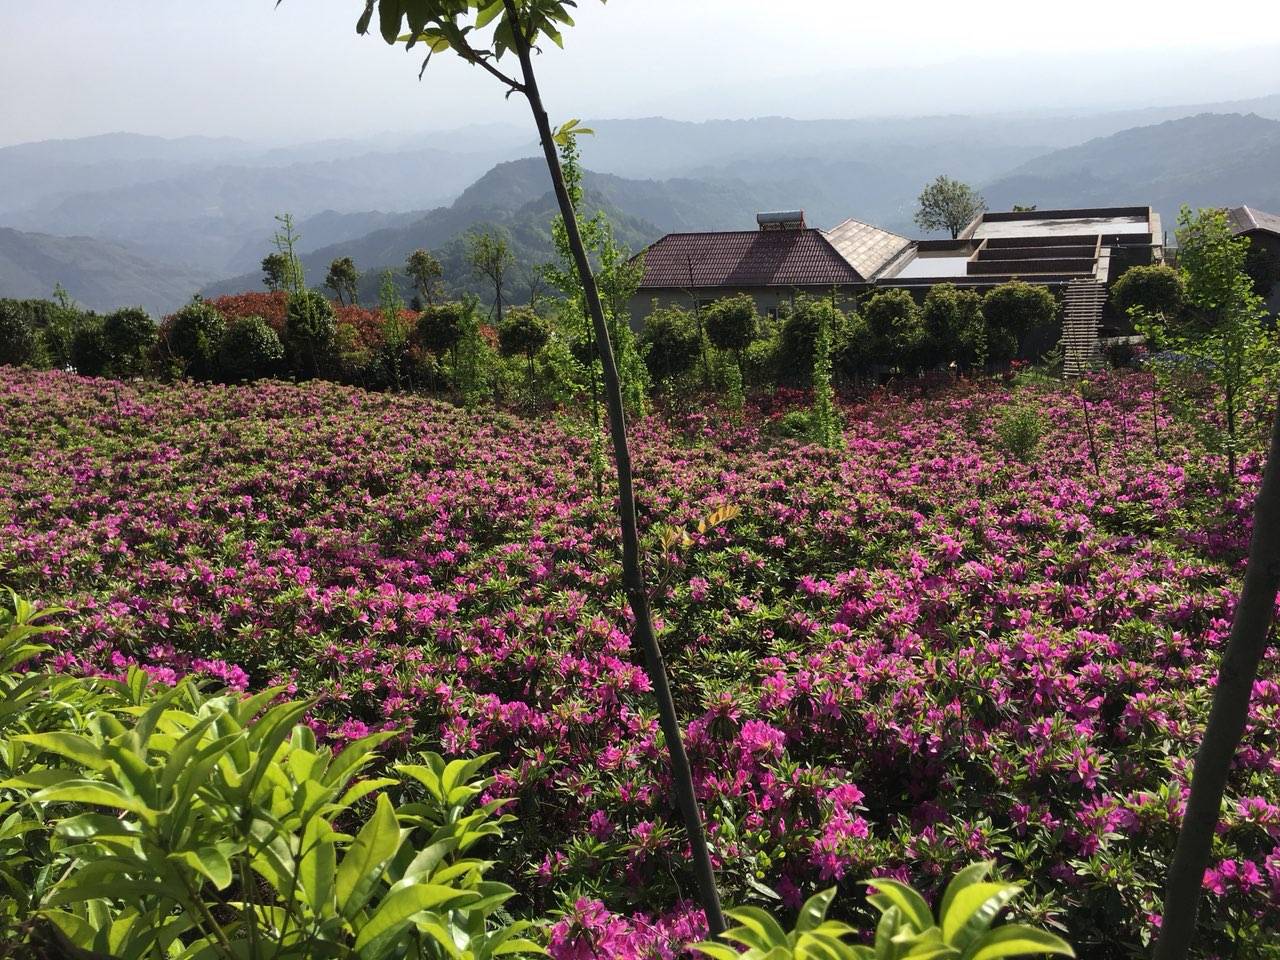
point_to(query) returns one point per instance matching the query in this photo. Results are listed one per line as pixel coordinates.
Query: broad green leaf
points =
(973, 910)
(913, 906)
(210, 862)
(973, 873)
(1017, 940)
(316, 868)
(70, 745)
(394, 911)
(97, 794)
(87, 826)
(362, 865)
(766, 932)
(814, 911)
(389, 19)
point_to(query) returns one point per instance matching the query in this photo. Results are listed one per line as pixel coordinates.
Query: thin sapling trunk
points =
(632, 571)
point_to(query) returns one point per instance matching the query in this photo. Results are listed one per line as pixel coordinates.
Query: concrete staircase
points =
(1081, 317)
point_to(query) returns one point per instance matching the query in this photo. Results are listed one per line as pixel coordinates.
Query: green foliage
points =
(826, 419)
(89, 353)
(1222, 342)
(343, 279)
(130, 336)
(897, 328)
(155, 821)
(735, 391)
(489, 254)
(425, 271)
(798, 337)
(393, 362)
(523, 333)
(1155, 289)
(18, 342)
(670, 343)
(310, 327)
(54, 323)
(286, 268)
(955, 327)
(1013, 310)
(475, 367)
(948, 204)
(250, 350)
(195, 337)
(441, 327)
(731, 322)
(965, 928)
(617, 277)
(1020, 429)
(275, 271)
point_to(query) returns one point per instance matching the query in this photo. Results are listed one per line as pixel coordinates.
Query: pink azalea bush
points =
(902, 657)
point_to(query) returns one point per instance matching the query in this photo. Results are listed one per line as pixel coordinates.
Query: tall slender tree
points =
(490, 256)
(274, 268)
(425, 271)
(518, 27)
(343, 279)
(291, 277)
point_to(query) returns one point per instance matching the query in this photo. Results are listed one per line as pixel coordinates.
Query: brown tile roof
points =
(747, 258)
(1247, 219)
(867, 248)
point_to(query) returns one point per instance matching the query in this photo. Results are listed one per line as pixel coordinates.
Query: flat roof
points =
(1051, 226)
(931, 267)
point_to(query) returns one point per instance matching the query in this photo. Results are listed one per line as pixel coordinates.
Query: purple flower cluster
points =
(901, 657)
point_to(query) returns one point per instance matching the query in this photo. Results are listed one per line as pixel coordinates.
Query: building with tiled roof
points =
(1263, 264)
(1078, 253)
(1247, 220)
(774, 263)
(869, 249)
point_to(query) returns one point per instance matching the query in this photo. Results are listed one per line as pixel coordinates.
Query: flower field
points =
(912, 654)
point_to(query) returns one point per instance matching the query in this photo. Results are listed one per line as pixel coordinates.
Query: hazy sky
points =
(242, 68)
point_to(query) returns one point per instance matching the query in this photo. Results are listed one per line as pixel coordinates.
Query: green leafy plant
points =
(1020, 429)
(251, 349)
(224, 836)
(963, 930)
(195, 336)
(826, 418)
(18, 341)
(310, 327)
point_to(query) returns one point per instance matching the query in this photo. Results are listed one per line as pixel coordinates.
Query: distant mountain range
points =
(1205, 160)
(99, 274)
(203, 207)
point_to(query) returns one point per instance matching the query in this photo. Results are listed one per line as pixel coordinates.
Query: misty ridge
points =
(125, 219)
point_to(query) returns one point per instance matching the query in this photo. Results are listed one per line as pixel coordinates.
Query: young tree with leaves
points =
(948, 204)
(617, 277)
(523, 333)
(274, 271)
(291, 277)
(1221, 338)
(490, 257)
(343, 279)
(425, 272)
(517, 27)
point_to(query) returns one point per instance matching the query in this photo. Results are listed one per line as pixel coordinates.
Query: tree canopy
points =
(948, 204)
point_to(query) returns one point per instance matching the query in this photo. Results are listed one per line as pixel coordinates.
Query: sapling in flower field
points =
(518, 26)
(1214, 335)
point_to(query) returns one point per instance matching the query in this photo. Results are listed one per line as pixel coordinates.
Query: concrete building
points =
(1077, 253)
